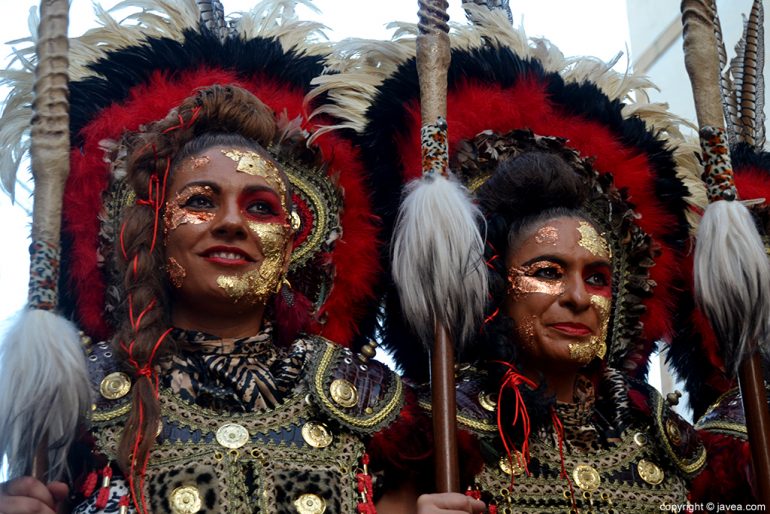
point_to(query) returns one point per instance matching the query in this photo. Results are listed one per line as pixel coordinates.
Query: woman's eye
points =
(598, 280)
(262, 208)
(198, 202)
(551, 272)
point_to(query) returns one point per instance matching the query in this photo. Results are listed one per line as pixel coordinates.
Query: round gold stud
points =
(511, 466)
(185, 500)
(640, 438)
(310, 504)
(316, 435)
(344, 393)
(232, 435)
(650, 472)
(115, 385)
(487, 401)
(673, 432)
(586, 477)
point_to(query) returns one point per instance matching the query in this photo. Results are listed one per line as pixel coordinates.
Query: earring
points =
(286, 291)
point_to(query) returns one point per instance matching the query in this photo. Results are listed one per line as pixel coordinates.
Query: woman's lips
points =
(226, 256)
(572, 329)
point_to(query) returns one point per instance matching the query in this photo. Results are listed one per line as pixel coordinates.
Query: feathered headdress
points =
(124, 75)
(500, 82)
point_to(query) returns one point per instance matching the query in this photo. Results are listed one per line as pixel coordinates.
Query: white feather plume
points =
(44, 390)
(732, 279)
(438, 259)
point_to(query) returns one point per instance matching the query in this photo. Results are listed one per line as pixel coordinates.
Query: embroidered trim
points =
(465, 420)
(322, 379)
(687, 467)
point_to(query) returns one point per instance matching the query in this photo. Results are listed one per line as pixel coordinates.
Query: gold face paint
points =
(256, 286)
(592, 241)
(176, 273)
(547, 235)
(602, 305)
(255, 164)
(522, 282)
(526, 332)
(176, 214)
(584, 352)
(199, 162)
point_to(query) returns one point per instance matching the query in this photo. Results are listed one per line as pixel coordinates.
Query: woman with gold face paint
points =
(214, 396)
(555, 427)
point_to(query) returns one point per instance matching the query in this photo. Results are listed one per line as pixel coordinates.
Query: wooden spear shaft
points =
(702, 63)
(433, 57)
(49, 158)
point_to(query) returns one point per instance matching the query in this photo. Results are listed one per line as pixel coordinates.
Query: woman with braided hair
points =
(230, 405)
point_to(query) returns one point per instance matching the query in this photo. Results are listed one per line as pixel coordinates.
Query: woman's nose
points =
(229, 221)
(575, 294)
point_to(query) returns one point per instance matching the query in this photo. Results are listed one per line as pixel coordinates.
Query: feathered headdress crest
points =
(500, 81)
(128, 73)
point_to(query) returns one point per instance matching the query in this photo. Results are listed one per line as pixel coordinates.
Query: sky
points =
(589, 27)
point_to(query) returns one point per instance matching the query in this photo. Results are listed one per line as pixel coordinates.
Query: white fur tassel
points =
(438, 259)
(732, 279)
(44, 390)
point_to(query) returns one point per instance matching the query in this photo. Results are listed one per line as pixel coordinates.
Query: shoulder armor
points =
(726, 415)
(676, 436)
(476, 407)
(110, 384)
(362, 397)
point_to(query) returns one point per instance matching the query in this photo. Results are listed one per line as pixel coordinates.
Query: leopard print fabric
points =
(235, 375)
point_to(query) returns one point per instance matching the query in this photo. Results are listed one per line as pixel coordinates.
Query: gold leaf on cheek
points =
(257, 285)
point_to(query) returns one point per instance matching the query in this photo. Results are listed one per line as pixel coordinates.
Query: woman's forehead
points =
(563, 235)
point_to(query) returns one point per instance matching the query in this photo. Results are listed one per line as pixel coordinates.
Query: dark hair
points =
(524, 192)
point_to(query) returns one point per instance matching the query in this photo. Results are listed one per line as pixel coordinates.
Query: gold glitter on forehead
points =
(547, 235)
(592, 241)
(256, 286)
(176, 214)
(200, 161)
(176, 273)
(252, 163)
(521, 281)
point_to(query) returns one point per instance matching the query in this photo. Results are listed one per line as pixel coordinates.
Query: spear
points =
(44, 390)
(437, 248)
(732, 276)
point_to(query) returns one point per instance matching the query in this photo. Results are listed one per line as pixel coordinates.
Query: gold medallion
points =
(344, 393)
(316, 435)
(310, 504)
(487, 401)
(115, 385)
(586, 477)
(513, 465)
(673, 432)
(185, 500)
(650, 472)
(640, 438)
(232, 435)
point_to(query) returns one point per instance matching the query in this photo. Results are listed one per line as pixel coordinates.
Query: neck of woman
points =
(559, 381)
(225, 323)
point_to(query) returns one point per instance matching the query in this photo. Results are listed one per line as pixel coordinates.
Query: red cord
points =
(104, 490)
(559, 428)
(513, 379)
(365, 489)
